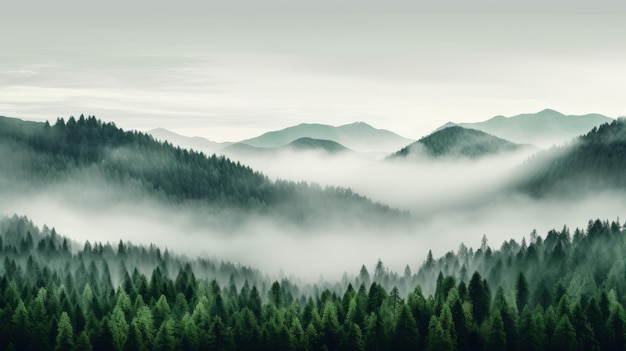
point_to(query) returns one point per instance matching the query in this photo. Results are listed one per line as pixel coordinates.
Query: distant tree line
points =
(566, 291)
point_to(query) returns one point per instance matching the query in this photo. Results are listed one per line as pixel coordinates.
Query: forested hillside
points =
(87, 149)
(563, 292)
(457, 142)
(592, 162)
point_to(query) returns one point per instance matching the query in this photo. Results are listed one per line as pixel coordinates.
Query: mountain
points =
(359, 136)
(595, 161)
(38, 155)
(193, 143)
(456, 141)
(311, 144)
(544, 128)
(303, 144)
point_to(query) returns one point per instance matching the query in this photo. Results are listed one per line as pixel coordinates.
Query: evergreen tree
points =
(119, 329)
(83, 343)
(478, 298)
(65, 334)
(565, 335)
(165, 339)
(496, 339)
(220, 336)
(406, 335)
(20, 331)
(436, 339)
(521, 291)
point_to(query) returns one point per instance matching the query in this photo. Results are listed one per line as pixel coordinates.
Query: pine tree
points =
(406, 335)
(220, 336)
(478, 297)
(65, 334)
(188, 333)
(521, 291)
(564, 335)
(21, 326)
(496, 339)
(436, 339)
(119, 329)
(83, 343)
(165, 339)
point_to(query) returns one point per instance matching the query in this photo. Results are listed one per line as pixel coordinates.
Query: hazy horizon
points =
(233, 71)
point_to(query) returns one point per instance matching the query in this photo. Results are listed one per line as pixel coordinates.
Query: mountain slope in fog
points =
(592, 162)
(357, 136)
(193, 143)
(456, 141)
(325, 147)
(544, 128)
(91, 151)
(311, 144)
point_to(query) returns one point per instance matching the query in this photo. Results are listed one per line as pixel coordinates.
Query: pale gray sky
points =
(228, 70)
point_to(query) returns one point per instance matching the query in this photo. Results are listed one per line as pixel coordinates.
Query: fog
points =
(450, 202)
(421, 185)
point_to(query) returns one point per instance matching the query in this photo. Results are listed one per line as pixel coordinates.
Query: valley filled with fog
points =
(450, 200)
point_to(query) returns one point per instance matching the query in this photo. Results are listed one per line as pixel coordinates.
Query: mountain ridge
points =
(357, 136)
(544, 128)
(194, 143)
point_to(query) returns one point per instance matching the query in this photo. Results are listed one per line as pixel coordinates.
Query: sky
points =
(230, 70)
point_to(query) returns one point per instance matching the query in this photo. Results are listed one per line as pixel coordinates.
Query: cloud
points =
(19, 72)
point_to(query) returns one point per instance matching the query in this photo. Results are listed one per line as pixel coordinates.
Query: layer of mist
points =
(450, 202)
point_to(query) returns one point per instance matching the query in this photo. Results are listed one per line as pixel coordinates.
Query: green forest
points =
(36, 155)
(565, 290)
(592, 162)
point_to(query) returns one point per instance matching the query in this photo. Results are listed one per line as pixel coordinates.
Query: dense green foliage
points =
(88, 150)
(595, 161)
(457, 142)
(564, 292)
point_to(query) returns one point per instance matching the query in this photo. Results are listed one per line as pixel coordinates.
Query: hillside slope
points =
(456, 141)
(194, 143)
(37, 155)
(595, 161)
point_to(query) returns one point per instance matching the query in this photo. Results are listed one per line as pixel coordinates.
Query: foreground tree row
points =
(556, 293)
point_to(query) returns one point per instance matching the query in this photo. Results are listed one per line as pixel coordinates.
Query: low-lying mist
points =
(450, 202)
(424, 186)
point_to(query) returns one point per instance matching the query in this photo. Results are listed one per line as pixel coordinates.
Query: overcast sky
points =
(228, 70)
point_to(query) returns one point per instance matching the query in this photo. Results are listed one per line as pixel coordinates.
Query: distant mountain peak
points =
(550, 111)
(447, 125)
(357, 123)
